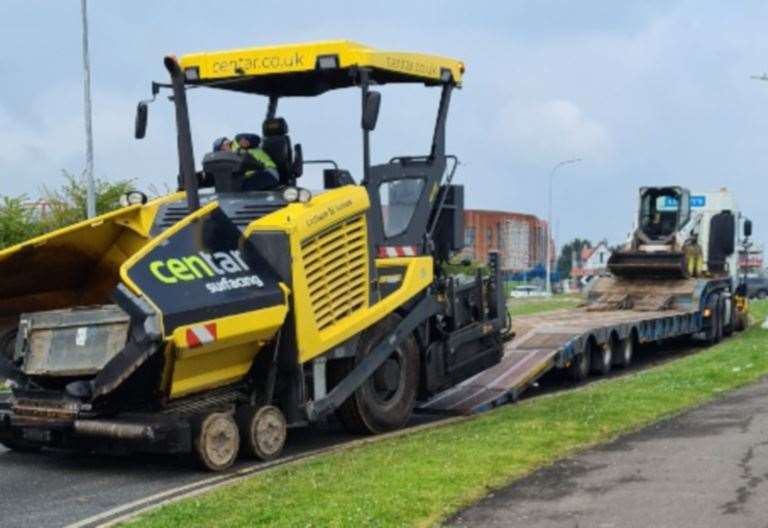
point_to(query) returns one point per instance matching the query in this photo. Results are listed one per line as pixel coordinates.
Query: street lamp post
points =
(91, 191)
(549, 220)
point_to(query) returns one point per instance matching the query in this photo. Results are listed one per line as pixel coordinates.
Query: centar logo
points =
(200, 266)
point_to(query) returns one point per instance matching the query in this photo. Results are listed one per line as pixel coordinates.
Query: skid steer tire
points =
(263, 431)
(216, 440)
(385, 401)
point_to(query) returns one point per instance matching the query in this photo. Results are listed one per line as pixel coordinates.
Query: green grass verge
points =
(419, 479)
(531, 306)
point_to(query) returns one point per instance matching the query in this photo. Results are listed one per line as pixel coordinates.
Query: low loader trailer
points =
(660, 288)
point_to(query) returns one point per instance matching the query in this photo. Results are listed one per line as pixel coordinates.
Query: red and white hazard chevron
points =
(200, 335)
(397, 251)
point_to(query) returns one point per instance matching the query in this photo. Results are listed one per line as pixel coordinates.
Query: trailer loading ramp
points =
(545, 340)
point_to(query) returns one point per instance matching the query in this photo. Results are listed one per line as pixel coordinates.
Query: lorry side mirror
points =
(747, 228)
(371, 110)
(140, 126)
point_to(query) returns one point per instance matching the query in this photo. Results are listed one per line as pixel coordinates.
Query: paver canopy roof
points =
(313, 68)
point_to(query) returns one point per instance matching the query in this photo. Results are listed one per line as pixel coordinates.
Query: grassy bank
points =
(418, 479)
(531, 306)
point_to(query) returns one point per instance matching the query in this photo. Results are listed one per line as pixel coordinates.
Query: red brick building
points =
(519, 238)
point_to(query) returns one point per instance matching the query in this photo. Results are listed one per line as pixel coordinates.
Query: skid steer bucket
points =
(643, 264)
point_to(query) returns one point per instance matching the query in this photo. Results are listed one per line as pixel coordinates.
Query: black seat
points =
(277, 144)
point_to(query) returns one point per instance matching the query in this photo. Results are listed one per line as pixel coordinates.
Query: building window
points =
(488, 236)
(469, 236)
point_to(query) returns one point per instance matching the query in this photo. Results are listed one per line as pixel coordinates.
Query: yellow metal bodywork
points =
(239, 339)
(330, 215)
(302, 57)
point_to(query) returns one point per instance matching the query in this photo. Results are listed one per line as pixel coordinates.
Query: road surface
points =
(705, 468)
(54, 489)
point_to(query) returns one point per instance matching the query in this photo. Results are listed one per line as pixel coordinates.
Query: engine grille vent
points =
(172, 214)
(250, 212)
(336, 265)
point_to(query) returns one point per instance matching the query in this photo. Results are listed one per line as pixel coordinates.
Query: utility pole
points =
(549, 221)
(91, 190)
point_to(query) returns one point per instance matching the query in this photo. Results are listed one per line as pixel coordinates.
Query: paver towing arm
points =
(209, 320)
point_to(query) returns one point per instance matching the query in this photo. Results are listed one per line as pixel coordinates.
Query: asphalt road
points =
(55, 488)
(705, 468)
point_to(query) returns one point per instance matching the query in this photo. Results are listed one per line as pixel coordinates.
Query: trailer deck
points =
(552, 339)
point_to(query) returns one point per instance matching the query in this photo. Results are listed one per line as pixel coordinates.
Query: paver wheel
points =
(263, 431)
(623, 352)
(385, 401)
(216, 441)
(12, 440)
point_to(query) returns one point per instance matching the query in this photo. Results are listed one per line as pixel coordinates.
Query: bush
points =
(65, 206)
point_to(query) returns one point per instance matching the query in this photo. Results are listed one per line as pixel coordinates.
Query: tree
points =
(17, 221)
(65, 206)
(565, 260)
(68, 204)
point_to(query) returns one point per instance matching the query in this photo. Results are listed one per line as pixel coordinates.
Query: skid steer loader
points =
(211, 320)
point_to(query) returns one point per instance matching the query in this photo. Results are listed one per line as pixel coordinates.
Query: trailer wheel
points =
(602, 357)
(263, 431)
(385, 401)
(216, 441)
(624, 352)
(580, 367)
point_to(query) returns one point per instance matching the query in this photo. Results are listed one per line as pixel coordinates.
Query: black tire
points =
(602, 358)
(385, 401)
(13, 441)
(263, 431)
(742, 321)
(216, 441)
(730, 326)
(714, 333)
(580, 367)
(8, 344)
(623, 351)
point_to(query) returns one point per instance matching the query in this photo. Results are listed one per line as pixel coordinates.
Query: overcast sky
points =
(656, 92)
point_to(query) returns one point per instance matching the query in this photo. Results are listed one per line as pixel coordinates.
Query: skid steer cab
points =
(208, 321)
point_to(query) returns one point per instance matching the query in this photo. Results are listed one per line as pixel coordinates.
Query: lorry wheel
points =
(624, 352)
(580, 367)
(386, 399)
(602, 357)
(742, 321)
(714, 333)
(730, 326)
(216, 441)
(263, 431)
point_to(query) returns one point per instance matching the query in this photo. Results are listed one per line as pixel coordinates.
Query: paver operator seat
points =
(277, 144)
